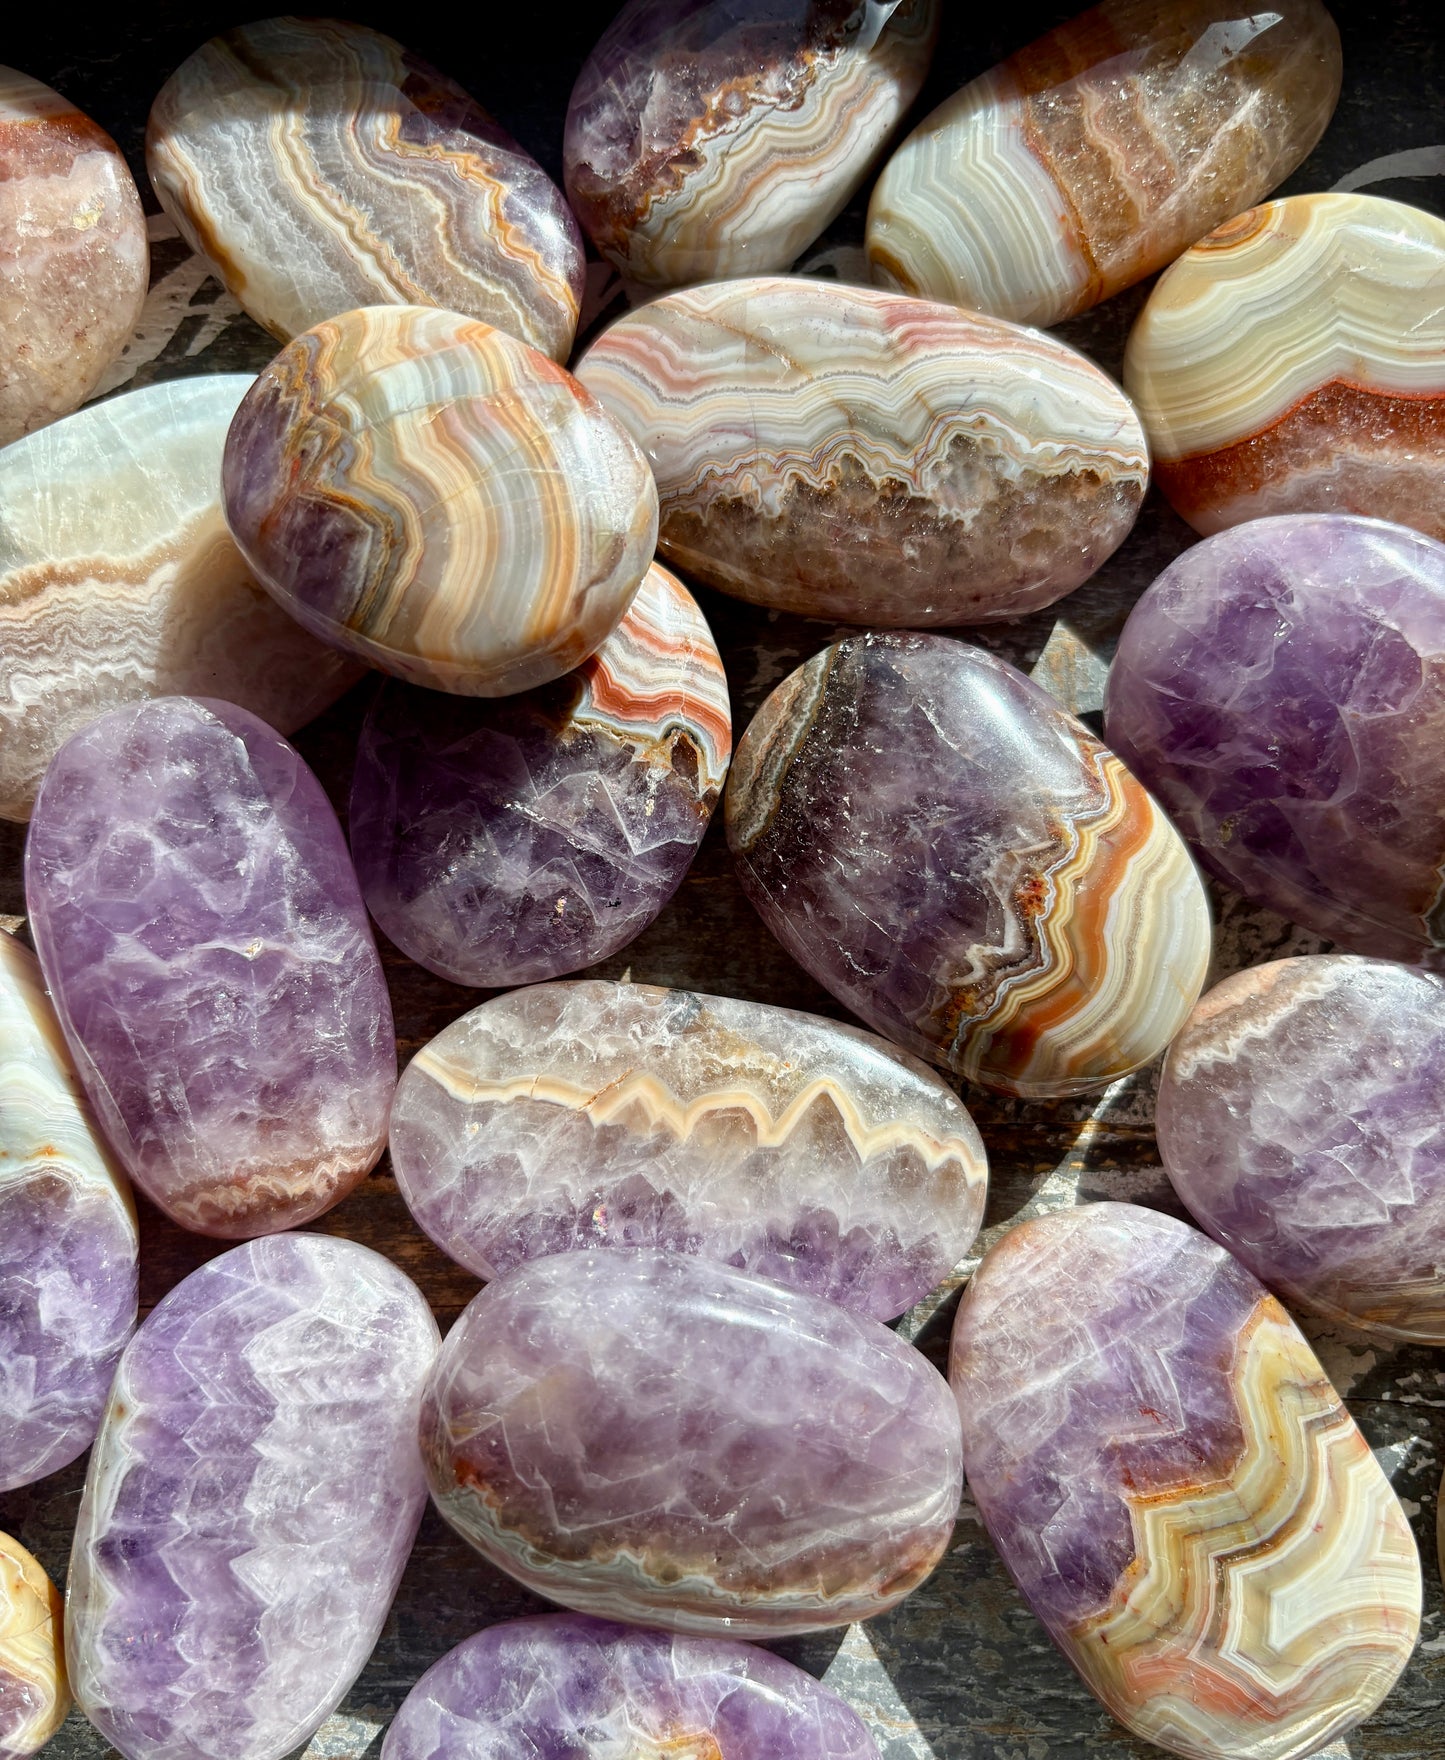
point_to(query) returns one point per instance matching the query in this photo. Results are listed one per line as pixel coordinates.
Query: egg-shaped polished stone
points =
(847, 453)
(320, 166)
(68, 1241)
(73, 254)
(250, 1502)
(1281, 688)
(1301, 1119)
(963, 864)
(720, 137)
(1096, 154)
(119, 580)
(1177, 1489)
(1294, 362)
(440, 499)
(34, 1696)
(661, 1439)
(208, 953)
(595, 1114)
(510, 839)
(564, 1684)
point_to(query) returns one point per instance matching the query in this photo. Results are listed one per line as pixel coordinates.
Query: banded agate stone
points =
(251, 1501)
(1301, 1119)
(119, 580)
(34, 1696)
(852, 454)
(438, 498)
(1098, 153)
(1177, 1489)
(68, 1241)
(963, 865)
(507, 840)
(204, 940)
(1294, 362)
(320, 166)
(664, 1440)
(595, 1114)
(73, 254)
(563, 1684)
(1281, 688)
(710, 138)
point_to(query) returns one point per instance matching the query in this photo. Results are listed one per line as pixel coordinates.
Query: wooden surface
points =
(961, 1669)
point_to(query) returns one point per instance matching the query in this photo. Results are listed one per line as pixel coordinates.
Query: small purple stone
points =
(564, 1685)
(1281, 688)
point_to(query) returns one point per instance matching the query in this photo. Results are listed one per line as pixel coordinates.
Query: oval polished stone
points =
(1294, 362)
(73, 254)
(852, 454)
(119, 580)
(661, 1439)
(1096, 154)
(709, 138)
(1301, 1119)
(250, 1502)
(507, 840)
(963, 865)
(320, 166)
(563, 1684)
(1281, 688)
(440, 499)
(205, 943)
(595, 1114)
(68, 1241)
(1177, 1489)
(34, 1697)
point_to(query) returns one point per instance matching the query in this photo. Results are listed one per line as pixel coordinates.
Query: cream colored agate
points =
(34, 1697)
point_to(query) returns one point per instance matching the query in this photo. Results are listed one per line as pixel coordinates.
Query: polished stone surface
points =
(439, 499)
(506, 840)
(1177, 1489)
(1294, 362)
(596, 1114)
(119, 580)
(859, 455)
(1098, 153)
(68, 1241)
(664, 1440)
(34, 1697)
(251, 1501)
(320, 166)
(963, 865)
(1281, 688)
(204, 940)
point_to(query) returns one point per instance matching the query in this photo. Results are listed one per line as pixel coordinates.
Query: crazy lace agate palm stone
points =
(852, 454)
(1177, 1489)
(73, 254)
(207, 949)
(68, 1242)
(250, 1502)
(961, 863)
(507, 840)
(119, 580)
(320, 166)
(664, 1440)
(1301, 1118)
(563, 1684)
(439, 499)
(1281, 688)
(34, 1697)
(1098, 153)
(1294, 362)
(708, 138)
(594, 1114)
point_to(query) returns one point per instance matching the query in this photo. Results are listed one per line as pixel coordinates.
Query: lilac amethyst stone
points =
(664, 1440)
(565, 1685)
(1301, 1118)
(251, 1501)
(205, 943)
(1281, 688)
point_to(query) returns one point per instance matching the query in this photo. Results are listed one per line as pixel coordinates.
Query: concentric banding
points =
(34, 1697)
